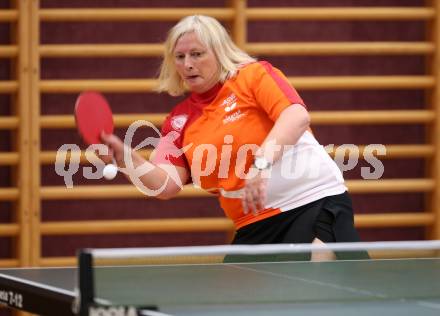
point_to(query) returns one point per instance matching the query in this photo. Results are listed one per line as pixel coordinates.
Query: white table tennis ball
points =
(110, 171)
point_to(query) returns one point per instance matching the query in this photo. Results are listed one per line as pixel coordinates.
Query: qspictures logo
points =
(207, 156)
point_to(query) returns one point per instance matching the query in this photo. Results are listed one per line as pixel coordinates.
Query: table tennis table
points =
(364, 287)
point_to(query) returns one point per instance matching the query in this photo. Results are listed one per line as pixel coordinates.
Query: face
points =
(195, 63)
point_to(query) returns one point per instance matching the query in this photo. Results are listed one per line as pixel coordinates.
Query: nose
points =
(188, 63)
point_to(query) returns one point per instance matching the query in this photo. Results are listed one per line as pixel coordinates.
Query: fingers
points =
(254, 197)
(104, 153)
(250, 202)
(108, 158)
(104, 137)
(109, 139)
(262, 194)
(115, 148)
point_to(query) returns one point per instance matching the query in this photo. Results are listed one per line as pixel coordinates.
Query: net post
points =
(86, 282)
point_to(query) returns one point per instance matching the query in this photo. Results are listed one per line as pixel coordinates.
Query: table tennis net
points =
(264, 253)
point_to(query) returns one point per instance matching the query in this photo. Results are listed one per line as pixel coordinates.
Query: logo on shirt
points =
(230, 103)
(178, 122)
(233, 117)
(230, 106)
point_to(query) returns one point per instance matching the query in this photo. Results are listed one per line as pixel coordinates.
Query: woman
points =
(243, 133)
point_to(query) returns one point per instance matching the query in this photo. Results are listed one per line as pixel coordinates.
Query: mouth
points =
(190, 78)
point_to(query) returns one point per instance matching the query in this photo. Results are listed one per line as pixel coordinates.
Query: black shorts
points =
(330, 219)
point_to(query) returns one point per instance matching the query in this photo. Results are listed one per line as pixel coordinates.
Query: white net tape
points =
(121, 253)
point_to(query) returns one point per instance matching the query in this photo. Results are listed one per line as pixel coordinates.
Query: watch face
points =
(261, 163)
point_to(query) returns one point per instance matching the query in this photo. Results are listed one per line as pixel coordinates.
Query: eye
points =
(179, 56)
(196, 54)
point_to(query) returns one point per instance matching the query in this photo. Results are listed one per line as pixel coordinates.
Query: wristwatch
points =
(261, 163)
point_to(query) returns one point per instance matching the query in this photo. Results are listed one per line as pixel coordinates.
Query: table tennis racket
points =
(94, 116)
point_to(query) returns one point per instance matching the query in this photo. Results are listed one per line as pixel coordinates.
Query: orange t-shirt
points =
(221, 130)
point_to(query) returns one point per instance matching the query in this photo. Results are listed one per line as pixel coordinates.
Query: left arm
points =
(288, 128)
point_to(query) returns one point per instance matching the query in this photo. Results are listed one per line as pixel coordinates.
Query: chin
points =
(197, 89)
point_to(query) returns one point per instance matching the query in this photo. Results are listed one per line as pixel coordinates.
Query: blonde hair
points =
(214, 36)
